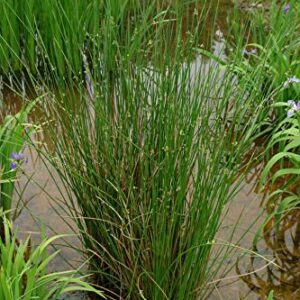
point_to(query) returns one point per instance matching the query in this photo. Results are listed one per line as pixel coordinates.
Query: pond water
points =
(277, 267)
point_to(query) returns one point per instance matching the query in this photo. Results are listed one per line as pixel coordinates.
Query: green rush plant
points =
(150, 174)
(29, 29)
(23, 273)
(39, 35)
(150, 156)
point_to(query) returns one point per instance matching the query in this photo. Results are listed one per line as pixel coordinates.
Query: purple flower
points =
(286, 9)
(13, 165)
(290, 80)
(17, 156)
(17, 159)
(294, 107)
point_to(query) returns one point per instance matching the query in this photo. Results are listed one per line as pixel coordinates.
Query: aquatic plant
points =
(286, 139)
(150, 158)
(14, 133)
(23, 270)
(41, 35)
(29, 29)
(150, 176)
(274, 36)
(279, 181)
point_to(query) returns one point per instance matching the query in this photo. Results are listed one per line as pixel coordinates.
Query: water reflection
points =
(280, 244)
(283, 275)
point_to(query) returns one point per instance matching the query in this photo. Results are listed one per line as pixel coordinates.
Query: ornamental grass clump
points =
(148, 180)
(150, 159)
